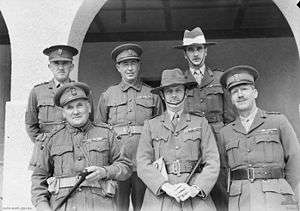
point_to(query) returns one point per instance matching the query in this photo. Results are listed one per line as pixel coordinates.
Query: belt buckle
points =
(176, 167)
(250, 174)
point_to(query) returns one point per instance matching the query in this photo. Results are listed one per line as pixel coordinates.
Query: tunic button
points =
(130, 100)
(79, 189)
(79, 159)
(249, 150)
(177, 147)
(129, 110)
(201, 100)
(250, 165)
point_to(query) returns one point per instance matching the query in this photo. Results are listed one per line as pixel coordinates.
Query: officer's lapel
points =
(207, 78)
(166, 121)
(184, 118)
(238, 127)
(259, 119)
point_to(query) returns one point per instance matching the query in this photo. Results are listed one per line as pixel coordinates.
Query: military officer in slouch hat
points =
(42, 115)
(181, 140)
(76, 146)
(261, 148)
(207, 99)
(125, 107)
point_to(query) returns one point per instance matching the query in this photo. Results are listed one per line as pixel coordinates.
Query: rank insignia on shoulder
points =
(144, 97)
(268, 131)
(273, 112)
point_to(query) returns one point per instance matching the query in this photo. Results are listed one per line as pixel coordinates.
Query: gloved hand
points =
(170, 190)
(185, 191)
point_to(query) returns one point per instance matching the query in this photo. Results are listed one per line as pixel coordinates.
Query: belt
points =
(66, 182)
(182, 166)
(213, 118)
(256, 173)
(128, 129)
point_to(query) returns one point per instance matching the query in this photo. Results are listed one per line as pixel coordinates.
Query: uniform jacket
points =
(124, 104)
(41, 114)
(210, 100)
(191, 140)
(67, 152)
(270, 142)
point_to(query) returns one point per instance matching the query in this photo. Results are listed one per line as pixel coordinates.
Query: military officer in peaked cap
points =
(261, 149)
(125, 106)
(41, 114)
(76, 146)
(208, 99)
(184, 142)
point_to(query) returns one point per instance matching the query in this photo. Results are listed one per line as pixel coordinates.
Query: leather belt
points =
(181, 166)
(252, 174)
(128, 129)
(66, 182)
(213, 118)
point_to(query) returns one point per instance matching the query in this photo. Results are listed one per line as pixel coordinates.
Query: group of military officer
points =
(196, 142)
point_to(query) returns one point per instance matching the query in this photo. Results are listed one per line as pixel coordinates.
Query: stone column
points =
(34, 25)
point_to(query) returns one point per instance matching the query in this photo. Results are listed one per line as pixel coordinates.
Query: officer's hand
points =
(185, 191)
(98, 173)
(170, 190)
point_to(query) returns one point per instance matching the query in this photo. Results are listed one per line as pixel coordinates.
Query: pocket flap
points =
(278, 186)
(46, 102)
(215, 89)
(232, 144)
(267, 138)
(235, 188)
(99, 146)
(161, 136)
(59, 150)
(116, 102)
(192, 135)
(148, 103)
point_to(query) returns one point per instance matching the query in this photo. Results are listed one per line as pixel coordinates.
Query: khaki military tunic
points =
(210, 100)
(191, 140)
(270, 143)
(66, 153)
(126, 107)
(42, 115)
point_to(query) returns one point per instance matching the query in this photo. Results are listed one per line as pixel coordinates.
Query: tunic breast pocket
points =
(268, 146)
(99, 152)
(233, 154)
(144, 108)
(48, 112)
(117, 111)
(160, 147)
(191, 145)
(63, 159)
(214, 99)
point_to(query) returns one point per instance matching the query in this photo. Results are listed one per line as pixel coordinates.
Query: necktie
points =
(175, 120)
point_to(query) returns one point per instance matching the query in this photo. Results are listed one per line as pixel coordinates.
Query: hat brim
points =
(61, 90)
(60, 59)
(73, 50)
(194, 44)
(129, 58)
(116, 51)
(188, 85)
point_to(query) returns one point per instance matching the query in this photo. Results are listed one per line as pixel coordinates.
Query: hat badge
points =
(236, 77)
(73, 91)
(59, 51)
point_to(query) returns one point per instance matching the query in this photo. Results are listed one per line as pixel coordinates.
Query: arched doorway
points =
(247, 32)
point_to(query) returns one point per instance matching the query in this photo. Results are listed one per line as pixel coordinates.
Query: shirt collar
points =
(57, 84)
(200, 70)
(82, 129)
(249, 118)
(125, 86)
(172, 113)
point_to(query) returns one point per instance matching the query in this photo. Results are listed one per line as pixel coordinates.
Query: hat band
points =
(195, 40)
